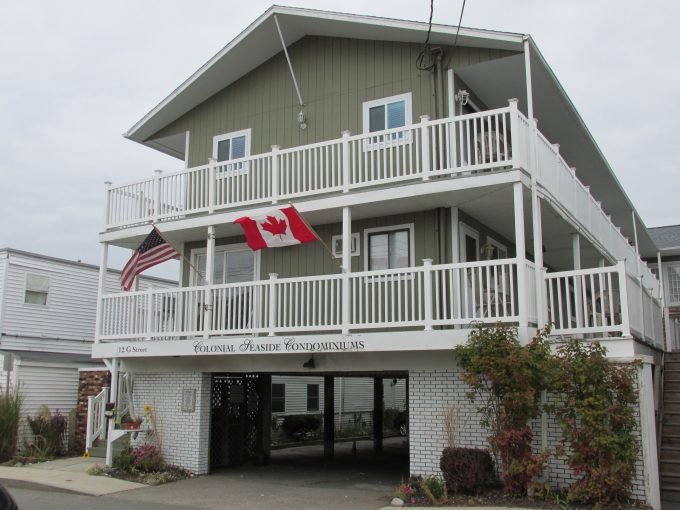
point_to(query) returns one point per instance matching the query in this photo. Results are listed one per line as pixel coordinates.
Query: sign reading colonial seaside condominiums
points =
(264, 345)
(301, 344)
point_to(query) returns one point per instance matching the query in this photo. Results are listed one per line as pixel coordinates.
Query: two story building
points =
(451, 186)
(47, 325)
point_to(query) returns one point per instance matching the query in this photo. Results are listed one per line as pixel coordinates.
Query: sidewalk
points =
(68, 474)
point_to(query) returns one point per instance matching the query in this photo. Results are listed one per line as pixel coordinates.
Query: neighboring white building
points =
(47, 324)
(667, 239)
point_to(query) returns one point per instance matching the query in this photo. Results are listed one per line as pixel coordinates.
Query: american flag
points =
(153, 250)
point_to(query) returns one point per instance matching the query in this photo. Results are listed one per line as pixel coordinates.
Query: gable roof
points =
(260, 41)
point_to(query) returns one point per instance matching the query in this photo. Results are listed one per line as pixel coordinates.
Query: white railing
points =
(603, 300)
(480, 141)
(424, 296)
(96, 420)
(556, 178)
(587, 301)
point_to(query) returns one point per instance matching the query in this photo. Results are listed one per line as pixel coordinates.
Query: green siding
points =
(335, 76)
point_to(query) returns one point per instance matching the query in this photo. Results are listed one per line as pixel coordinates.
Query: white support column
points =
(346, 267)
(107, 204)
(648, 433)
(520, 257)
(212, 184)
(113, 398)
(537, 225)
(639, 277)
(623, 291)
(346, 163)
(665, 316)
(271, 326)
(455, 234)
(576, 255)
(425, 149)
(209, 265)
(427, 290)
(101, 288)
(276, 159)
(527, 75)
(450, 83)
(187, 139)
(157, 194)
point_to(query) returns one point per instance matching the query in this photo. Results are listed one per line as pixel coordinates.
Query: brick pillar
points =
(90, 384)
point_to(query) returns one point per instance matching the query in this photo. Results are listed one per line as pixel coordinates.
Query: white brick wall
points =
(185, 437)
(432, 392)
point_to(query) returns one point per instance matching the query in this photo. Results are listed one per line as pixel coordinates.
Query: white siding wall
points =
(352, 395)
(3, 273)
(66, 323)
(53, 385)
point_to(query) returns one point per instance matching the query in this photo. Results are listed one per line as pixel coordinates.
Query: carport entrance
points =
(294, 418)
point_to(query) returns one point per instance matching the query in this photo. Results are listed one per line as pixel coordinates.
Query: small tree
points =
(597, 416)
(507, 379)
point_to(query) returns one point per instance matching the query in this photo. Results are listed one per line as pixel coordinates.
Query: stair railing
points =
(96, 421)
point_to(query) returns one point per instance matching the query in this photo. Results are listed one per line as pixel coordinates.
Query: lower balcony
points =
(598, 302)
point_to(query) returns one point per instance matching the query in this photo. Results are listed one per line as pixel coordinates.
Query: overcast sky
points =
(74, 75)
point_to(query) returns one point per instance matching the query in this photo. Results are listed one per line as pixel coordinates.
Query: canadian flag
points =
(283, 227)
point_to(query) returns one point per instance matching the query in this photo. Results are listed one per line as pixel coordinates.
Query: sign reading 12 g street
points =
(264, 345)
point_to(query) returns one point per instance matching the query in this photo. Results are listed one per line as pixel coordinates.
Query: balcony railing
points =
(420, 297)
(600, 301)
(489, 140)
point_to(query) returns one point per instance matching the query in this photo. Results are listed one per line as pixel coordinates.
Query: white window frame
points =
(463, 230)
(411, 243)
(193, 279)
(667, 267)
(356, 249)
(498, 245)
(243, 166)
(26, 289)
(368, 143)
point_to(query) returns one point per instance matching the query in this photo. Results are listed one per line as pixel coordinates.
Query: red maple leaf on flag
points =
(275, 226)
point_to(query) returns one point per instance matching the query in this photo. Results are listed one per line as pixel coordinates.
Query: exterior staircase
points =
(99, 447)
(669, 460)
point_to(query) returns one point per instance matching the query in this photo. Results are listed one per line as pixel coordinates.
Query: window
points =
(233, 264)
(230, 146)
(673, 272)
(387, 113)
(500, 251)
(389, 247)
(469, 243)
(278, 398)
(312, 397)
(336, 243)
(37, 287)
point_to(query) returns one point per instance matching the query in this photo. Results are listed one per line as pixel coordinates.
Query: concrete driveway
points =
(296, 478)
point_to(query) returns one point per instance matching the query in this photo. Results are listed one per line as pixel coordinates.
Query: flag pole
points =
(184, 257)
(337, 260)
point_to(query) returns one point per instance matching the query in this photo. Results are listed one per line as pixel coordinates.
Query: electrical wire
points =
(426, 46)
(460, 20)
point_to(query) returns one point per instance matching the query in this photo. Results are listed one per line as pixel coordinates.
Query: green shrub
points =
(597, 401)
(124, 460)
(10, 414)
(297, 426)
(467, 470)
(507, 378)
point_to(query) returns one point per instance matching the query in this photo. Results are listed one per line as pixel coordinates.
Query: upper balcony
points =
(463, 146)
